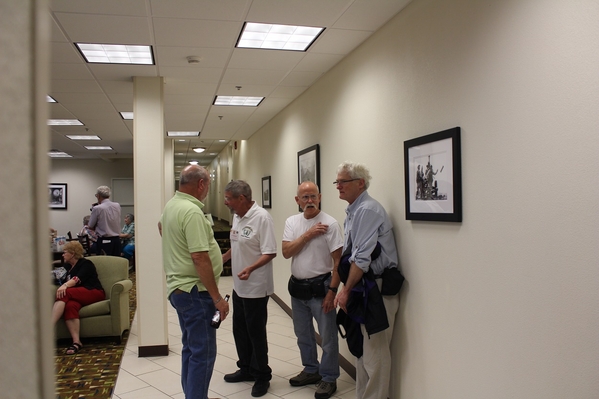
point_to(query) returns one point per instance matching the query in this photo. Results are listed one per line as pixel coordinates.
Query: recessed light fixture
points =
(277, 37)
(238, 101)
(98, 147)
(199, 149)
(59, 154)
(65, 122)
(128, 116)
(193, 162)
(222, 141)
(49, 99)
(116, 53)
(82, 137)
(182, 134)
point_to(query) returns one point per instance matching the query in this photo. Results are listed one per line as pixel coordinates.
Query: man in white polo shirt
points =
(253, 246)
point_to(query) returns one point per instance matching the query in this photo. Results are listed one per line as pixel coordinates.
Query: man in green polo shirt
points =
(193, 263)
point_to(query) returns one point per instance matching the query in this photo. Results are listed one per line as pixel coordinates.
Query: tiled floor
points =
(159, 377)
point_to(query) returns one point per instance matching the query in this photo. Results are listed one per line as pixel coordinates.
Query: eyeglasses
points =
(342, 182)
(312, 197)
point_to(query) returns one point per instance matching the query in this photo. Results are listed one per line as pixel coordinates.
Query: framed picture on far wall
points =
(57, 195)
(266, 192)
(433, 177)
(308, 165)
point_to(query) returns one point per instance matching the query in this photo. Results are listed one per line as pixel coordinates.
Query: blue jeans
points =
(198, 355)
(249, 331)
(128, 250)
(303, 312)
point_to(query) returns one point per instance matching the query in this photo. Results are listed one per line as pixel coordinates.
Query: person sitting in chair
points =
(82, 288)
(128, 237)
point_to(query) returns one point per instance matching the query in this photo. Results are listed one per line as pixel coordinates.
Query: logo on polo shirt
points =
(246, 232)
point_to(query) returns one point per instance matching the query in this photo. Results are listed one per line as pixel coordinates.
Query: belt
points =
(178, 291)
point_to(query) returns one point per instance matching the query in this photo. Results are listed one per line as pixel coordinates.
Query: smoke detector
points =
(192, 59)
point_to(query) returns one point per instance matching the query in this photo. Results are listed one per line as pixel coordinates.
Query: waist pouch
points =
(392, 281)
(308, 288)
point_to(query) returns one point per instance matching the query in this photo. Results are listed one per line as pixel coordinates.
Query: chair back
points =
(111, 269)
(84, 241)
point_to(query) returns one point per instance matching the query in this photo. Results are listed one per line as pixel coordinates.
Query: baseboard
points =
(155, 350)
(346, 365)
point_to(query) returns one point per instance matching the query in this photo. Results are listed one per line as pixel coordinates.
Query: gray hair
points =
(356, 171)
(86, 219)
(193, 174)
(130, 216)
(239, 187)
(103, 191)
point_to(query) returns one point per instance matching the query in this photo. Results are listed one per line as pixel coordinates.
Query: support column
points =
(148, 171)
(27, 342)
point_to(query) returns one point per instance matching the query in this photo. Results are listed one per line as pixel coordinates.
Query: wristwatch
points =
(334, 289)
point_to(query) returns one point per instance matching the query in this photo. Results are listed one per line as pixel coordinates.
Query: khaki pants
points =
(373, 369)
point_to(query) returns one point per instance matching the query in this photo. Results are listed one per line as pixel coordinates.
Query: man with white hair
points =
(368, 231)
(106, 221)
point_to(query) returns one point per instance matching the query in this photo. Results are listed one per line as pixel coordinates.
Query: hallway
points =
(159, 377)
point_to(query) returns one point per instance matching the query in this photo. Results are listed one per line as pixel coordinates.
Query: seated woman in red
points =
(82, 288)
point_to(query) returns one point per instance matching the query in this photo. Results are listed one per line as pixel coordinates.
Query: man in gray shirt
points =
(106, 221)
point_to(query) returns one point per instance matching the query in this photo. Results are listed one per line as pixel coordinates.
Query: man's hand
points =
(245, 273)
(223, 307)
(317, 230)
(341, 299)
(328, 303)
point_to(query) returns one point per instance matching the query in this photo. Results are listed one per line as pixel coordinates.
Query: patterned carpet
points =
(92, 372)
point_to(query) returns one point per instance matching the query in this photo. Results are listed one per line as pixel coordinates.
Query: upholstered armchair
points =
(110, 317)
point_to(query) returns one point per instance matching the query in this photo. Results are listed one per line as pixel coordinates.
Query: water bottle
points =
(215, 323)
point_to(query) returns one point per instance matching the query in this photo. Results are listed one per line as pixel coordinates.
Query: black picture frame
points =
(308, 165)
(266, 193)
(433, 177)
(57, 195)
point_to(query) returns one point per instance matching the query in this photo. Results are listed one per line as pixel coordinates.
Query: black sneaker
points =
(304, 378)
(325, 390)
(239, 376)
(260, 388)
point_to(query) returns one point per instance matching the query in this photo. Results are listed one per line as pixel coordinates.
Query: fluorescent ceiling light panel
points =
(128, 116)
(65, 122)
(278, 37)
(116, 53)
(83, 137)
(238, 101)
(50, 99)
(59, 154)
(182, 134)
(98, 147)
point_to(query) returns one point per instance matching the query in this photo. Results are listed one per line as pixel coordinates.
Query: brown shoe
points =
(304, 378)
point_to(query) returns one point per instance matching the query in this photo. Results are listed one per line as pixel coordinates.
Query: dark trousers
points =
(110, 246)
(249, 330)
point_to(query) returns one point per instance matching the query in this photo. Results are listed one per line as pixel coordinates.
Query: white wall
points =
(83, 177)
(505, 303)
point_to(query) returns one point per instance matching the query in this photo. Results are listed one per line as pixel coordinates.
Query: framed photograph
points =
(308, 165)
(266, 192)
(57, 193)
(433, 177)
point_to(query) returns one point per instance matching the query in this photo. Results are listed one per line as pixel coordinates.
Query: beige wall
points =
(505, 303)
(83, 177)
